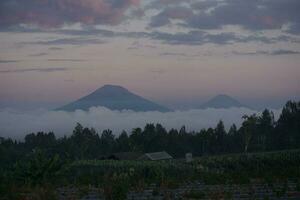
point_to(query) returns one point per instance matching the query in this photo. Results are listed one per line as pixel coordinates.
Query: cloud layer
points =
(189, 22)
(54, 13)
(193, 14)
(213, 14)
(49, 69)
(268, 53)
(16, 125)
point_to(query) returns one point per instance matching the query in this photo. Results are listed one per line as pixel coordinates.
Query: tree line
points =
(257, 133)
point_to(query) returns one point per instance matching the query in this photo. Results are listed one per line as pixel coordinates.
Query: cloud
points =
(55, 48)
(197, 20)
(66, 60)
(251, 15)
(9, 61)
(158, 4)
(205, 5)
(284, 52)
(137, 45)
(133, 48)
(164, 17)
(55, 13)
(38, 54)
(194, 14)
(87, 31)
(269, 53)
(68, 41)
(173, 54)
(52, 69)
(194, 37)
(16, 125)
(294, 29)
(202, 37)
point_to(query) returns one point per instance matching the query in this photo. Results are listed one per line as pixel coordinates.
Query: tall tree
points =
(248, 128)
(265, 130)
(123, 143)
(220, 133)
(288, 126)
(107, 141)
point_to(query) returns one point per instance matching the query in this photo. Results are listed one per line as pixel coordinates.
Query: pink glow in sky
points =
(177, 53)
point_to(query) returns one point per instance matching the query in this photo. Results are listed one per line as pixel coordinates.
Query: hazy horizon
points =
(180, 103)
(62, 122)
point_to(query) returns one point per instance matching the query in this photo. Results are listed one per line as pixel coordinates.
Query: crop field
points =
(128, 179)
(267, 175)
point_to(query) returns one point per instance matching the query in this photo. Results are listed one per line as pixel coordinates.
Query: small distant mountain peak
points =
(112, 87)
(222, 101)
(223, 96)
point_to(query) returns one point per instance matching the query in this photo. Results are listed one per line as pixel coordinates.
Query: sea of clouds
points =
(16, 124)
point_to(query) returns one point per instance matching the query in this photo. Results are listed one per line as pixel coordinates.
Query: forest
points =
(41, 159)
(256, 134)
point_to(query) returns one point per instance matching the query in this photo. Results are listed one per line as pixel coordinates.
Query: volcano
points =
(114, 97)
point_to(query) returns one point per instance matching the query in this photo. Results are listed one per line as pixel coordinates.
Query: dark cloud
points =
(54, 13)
(9, 61)
(268, 53)
(55, 48)
(52, 69)
(251, 15)
(158, 4)
(250, 53)
(133, 48)
(204, 5)
(66, 60)
(87, 31)
(201, 38)
(284, 52)
(38, 54)
(191, 38)
(164, 17)
(186, 38)
(173, 54)
(19, 28)
(294, 28)
(198, 37)
(68, 41)
(137, 45)
(179, 55)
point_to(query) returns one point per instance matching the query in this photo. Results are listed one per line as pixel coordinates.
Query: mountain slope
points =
(222, 101)
(114, 97)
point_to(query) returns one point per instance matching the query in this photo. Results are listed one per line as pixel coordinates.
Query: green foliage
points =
(241, 167)
(194, 195)
(298, 186)
(287, 130)
(118, 177)
(117, 188)
(38, 169)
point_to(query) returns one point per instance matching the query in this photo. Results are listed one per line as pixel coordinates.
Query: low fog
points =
(16, 124)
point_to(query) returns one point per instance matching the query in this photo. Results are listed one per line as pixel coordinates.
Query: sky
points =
(178, 53)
